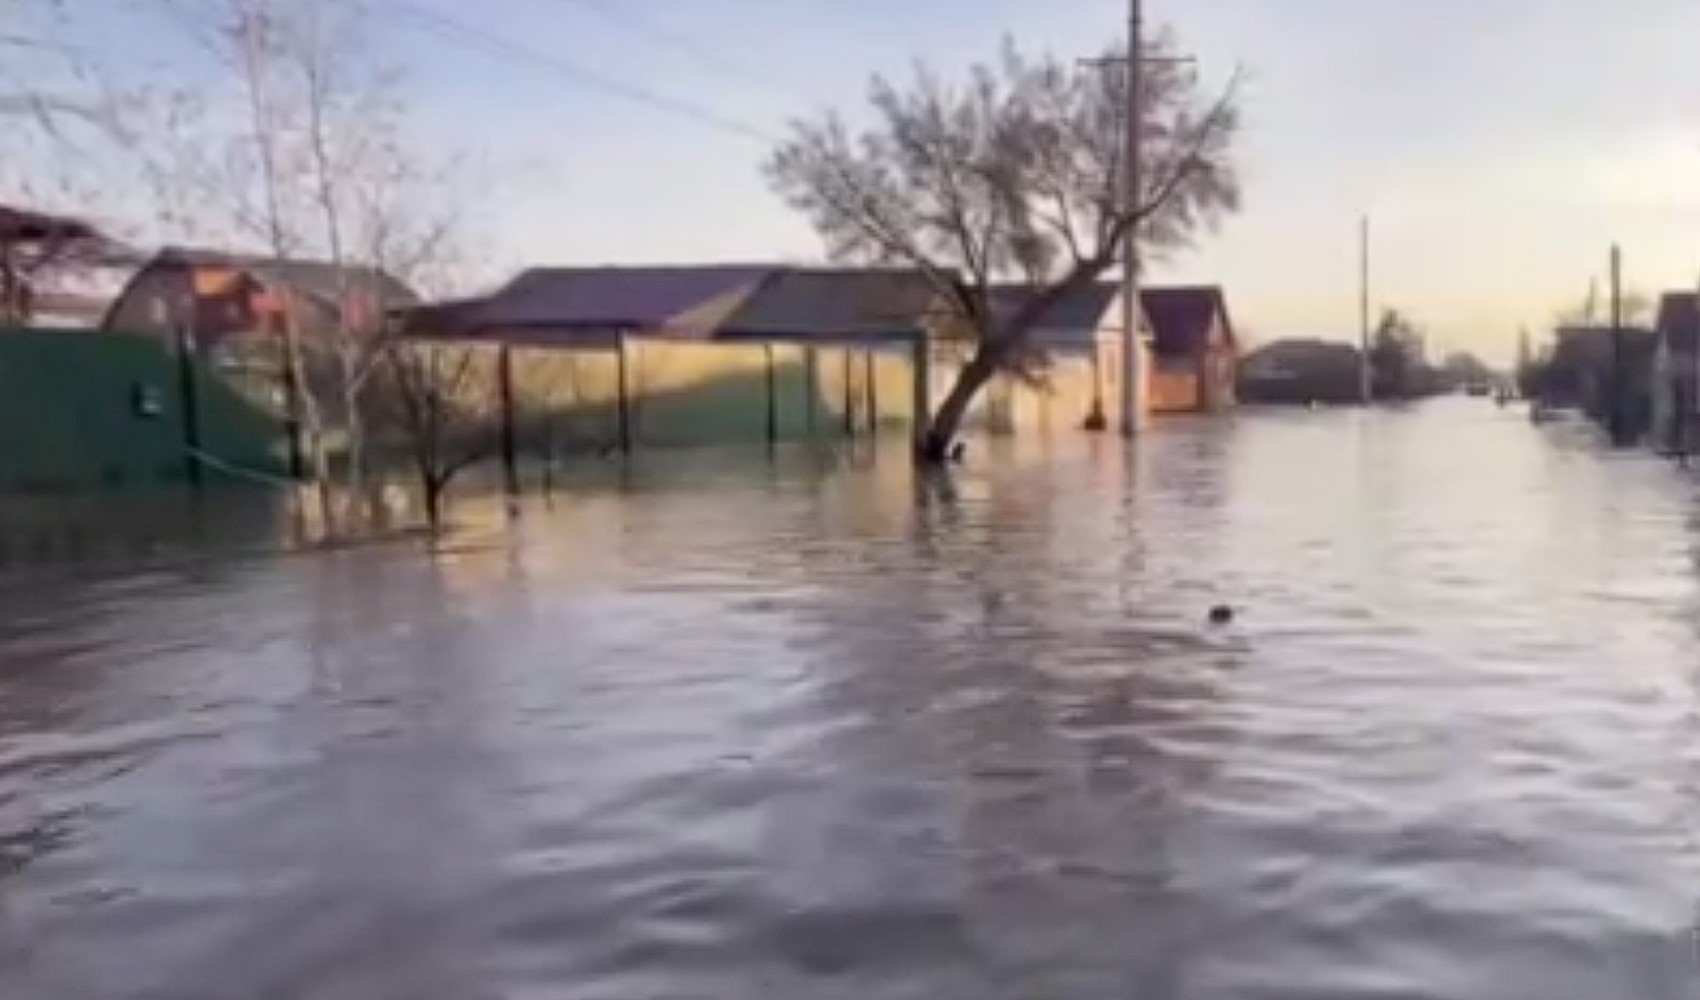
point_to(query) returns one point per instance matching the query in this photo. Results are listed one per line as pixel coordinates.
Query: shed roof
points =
(580, 306)
(1080, 311)
(588, 307)
(832, 304)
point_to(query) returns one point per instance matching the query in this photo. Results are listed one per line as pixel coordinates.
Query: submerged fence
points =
(82, 409)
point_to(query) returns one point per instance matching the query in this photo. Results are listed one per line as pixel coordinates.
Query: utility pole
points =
(1616, 417)
(1366, 381)
(1133, 361)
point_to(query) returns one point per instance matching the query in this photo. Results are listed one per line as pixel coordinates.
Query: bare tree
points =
(309, 158)
(437, 401)
(43, 86)
(1013, 175)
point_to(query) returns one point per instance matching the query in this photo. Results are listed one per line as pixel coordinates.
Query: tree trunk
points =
(433, 486)
(941, 432)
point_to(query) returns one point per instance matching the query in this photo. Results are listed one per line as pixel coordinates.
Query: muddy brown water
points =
(723, 728)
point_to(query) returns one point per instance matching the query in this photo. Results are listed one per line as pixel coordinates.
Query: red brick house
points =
(1194, 353)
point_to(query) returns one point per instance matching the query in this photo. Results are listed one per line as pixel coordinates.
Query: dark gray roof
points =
(592, 306)
(1079, 312)
(621, 297)
(827, 304)
(586, 307)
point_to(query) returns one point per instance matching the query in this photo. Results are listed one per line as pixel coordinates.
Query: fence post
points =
(624, 392)
(772, 398)
(510, 437)
(811, 381)
(849, 392)
(869, 373)
(189, 398)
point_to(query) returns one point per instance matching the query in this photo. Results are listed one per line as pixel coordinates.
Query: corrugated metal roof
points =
(1080, 312)
(587, 307)
(658, 299)
(824, 305)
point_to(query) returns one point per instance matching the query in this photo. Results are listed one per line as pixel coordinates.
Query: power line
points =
(452, 29)
(676, 40)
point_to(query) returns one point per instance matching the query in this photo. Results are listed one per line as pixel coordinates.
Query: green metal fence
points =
(82, 409)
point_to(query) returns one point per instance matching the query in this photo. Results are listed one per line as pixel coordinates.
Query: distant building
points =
(1302, 372)
(1607, 374)
(1194, 350)
(35, 249)
(221, 299)
(1676, 404)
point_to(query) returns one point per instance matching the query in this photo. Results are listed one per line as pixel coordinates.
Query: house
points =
(227, 303)
(1676, 365)
(35, 249)
(1194, 350)
(1606, 373)
(1071, 377)
(1302, 372)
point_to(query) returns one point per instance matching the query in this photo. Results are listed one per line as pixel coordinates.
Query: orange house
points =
(1195, 355)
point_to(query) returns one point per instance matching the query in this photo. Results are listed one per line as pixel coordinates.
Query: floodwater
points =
(719, 728)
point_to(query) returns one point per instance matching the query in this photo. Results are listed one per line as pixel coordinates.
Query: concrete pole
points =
(1366, 382)
(1133, 415)
(1616, 413)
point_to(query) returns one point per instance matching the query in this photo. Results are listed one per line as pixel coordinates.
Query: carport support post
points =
(624, 394)
(921, 371)
(510, 438)
(811, 379)
(189, 397)
(772, 397)
(849, 392)
(868, 371)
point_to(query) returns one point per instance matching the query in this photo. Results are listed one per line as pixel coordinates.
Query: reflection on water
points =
(820, 729)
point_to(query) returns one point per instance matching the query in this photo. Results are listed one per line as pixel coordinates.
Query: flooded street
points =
(717, 728)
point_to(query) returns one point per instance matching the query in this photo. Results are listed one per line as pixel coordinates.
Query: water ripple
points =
(721, 728)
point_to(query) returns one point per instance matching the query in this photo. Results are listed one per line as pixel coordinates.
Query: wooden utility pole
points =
(1133, 362)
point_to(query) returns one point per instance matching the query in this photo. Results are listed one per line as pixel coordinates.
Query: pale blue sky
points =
(1500, 145)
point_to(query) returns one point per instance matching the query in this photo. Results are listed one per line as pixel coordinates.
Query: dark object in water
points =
(1221, 614)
